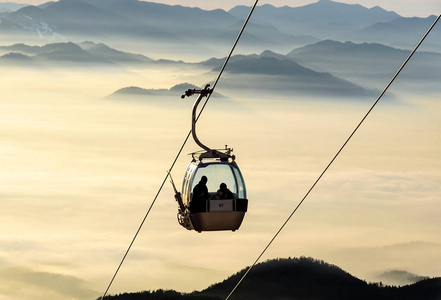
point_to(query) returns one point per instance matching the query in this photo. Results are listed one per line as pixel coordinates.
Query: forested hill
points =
(299, 278)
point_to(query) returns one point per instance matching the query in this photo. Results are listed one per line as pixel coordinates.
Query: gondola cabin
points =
(224, 204)
(213, 190)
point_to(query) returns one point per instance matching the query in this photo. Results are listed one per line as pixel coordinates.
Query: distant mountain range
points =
(367, 60)
(400, 32)
(323, 19)
(336, 68)
(286, 75)
(10, 7)
(310, 66)
(300, 278)
(64, 53)
(137, 92)
(279, 72)
(323, 68)
(271, 27)
(398, 278)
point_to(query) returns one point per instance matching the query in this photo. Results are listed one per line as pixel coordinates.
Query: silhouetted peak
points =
(182, 87)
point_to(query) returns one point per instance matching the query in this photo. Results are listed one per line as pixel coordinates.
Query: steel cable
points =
(334, 158)
(180, 151)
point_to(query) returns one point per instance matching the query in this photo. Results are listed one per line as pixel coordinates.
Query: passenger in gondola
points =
(223, 192)
(200, 194)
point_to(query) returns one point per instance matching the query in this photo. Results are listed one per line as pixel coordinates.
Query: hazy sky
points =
(78, 173)
(422, 8)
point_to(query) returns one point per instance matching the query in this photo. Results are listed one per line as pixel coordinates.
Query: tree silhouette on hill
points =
(299, 278)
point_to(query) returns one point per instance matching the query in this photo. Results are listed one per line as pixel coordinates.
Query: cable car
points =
(213, 194)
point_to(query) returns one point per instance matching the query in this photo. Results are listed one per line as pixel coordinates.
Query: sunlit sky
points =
(421, 8)
(78, 172)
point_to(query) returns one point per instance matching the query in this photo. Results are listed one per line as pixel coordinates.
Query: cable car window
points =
(186, 191)
(241, 193)
(216, 174)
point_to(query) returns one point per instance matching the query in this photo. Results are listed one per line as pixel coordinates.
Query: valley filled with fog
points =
(90, 127)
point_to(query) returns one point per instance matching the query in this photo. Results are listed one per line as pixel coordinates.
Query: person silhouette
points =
(200, 191)
(223, 192)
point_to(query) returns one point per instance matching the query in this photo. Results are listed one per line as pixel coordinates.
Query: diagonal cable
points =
(179, 152)
(227, 59)
(334, 158)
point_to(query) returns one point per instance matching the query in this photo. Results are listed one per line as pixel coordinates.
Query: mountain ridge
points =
(82, 53)
(367, 62)
(327, 67)
(271, 26)
(288, 75)
(322, 19)
(394, 32)
(399, 278)
(299, 278)
(135, 91)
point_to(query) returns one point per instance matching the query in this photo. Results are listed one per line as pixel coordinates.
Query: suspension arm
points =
(202, 93)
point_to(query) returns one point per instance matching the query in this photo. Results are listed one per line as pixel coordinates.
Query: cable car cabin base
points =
(217, 214)
(214, 215)
(217, 220)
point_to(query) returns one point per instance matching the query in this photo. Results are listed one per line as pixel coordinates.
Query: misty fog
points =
(79, 170)
(82, 157)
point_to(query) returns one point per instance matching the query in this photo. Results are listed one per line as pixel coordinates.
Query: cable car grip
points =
(203, 92)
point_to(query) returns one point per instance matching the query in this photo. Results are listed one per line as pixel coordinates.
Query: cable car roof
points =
(215, 155)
